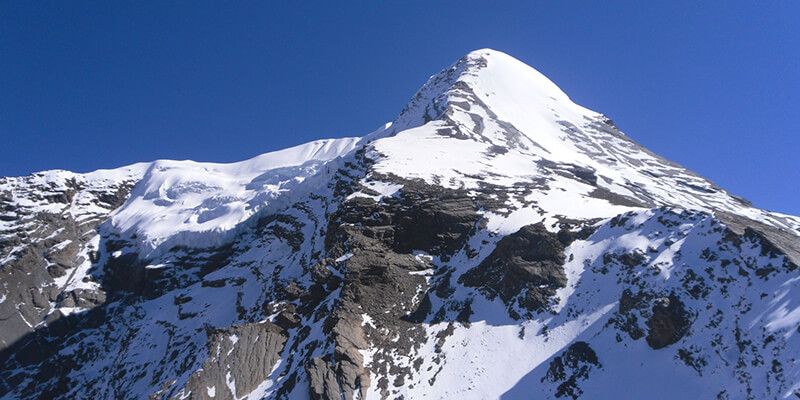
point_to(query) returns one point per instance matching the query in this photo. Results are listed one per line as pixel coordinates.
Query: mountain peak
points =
(495, 65)
(483, 94)
(494, 223)
(511, 123)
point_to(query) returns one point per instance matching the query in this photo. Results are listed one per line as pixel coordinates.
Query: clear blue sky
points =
(88, 85)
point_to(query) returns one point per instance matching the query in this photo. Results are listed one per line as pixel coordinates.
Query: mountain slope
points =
(495, 240)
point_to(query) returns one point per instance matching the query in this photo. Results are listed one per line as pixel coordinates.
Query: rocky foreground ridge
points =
(494, 241)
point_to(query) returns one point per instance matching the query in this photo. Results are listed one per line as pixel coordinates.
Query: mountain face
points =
(495, 240)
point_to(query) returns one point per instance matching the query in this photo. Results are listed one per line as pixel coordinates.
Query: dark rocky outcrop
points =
(666, 320)
(125, 272)
(43, 245)
(82, 298)
(421, 217)
(242, 356)
(669, 322)
(322, 381)
(774, 242)
(378, 282)
(627, 319)
(571, 367)
(526, 267)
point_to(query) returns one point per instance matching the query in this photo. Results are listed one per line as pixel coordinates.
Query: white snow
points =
(234, 339)
(368, 321)
(177, 201)
(344, 257)
(424, 272)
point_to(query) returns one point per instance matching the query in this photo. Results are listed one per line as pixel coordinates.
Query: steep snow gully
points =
(495, 240)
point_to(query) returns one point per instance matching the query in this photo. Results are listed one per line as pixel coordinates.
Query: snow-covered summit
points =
(503, 83)
(487, 115)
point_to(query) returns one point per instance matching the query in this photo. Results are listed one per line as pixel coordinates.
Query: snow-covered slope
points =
(495, 240)
(200, 204)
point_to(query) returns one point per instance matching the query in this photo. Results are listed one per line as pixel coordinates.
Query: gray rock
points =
(526, 267)
(322, 381)
(287, 320)
(669, 323)
(245, 354)
(773, 241)
(83, 298)
(571, 367)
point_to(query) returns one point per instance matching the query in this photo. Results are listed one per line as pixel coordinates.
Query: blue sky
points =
(88, 85)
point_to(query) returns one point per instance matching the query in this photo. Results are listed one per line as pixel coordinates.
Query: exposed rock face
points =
(44, 240)
(82, 298)
(773, 241)
(422, 217)
(526, 267)
(669, 322)
(630, 306)
(379, 282)
(322, 379)
(239, 359)
(570, 368)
